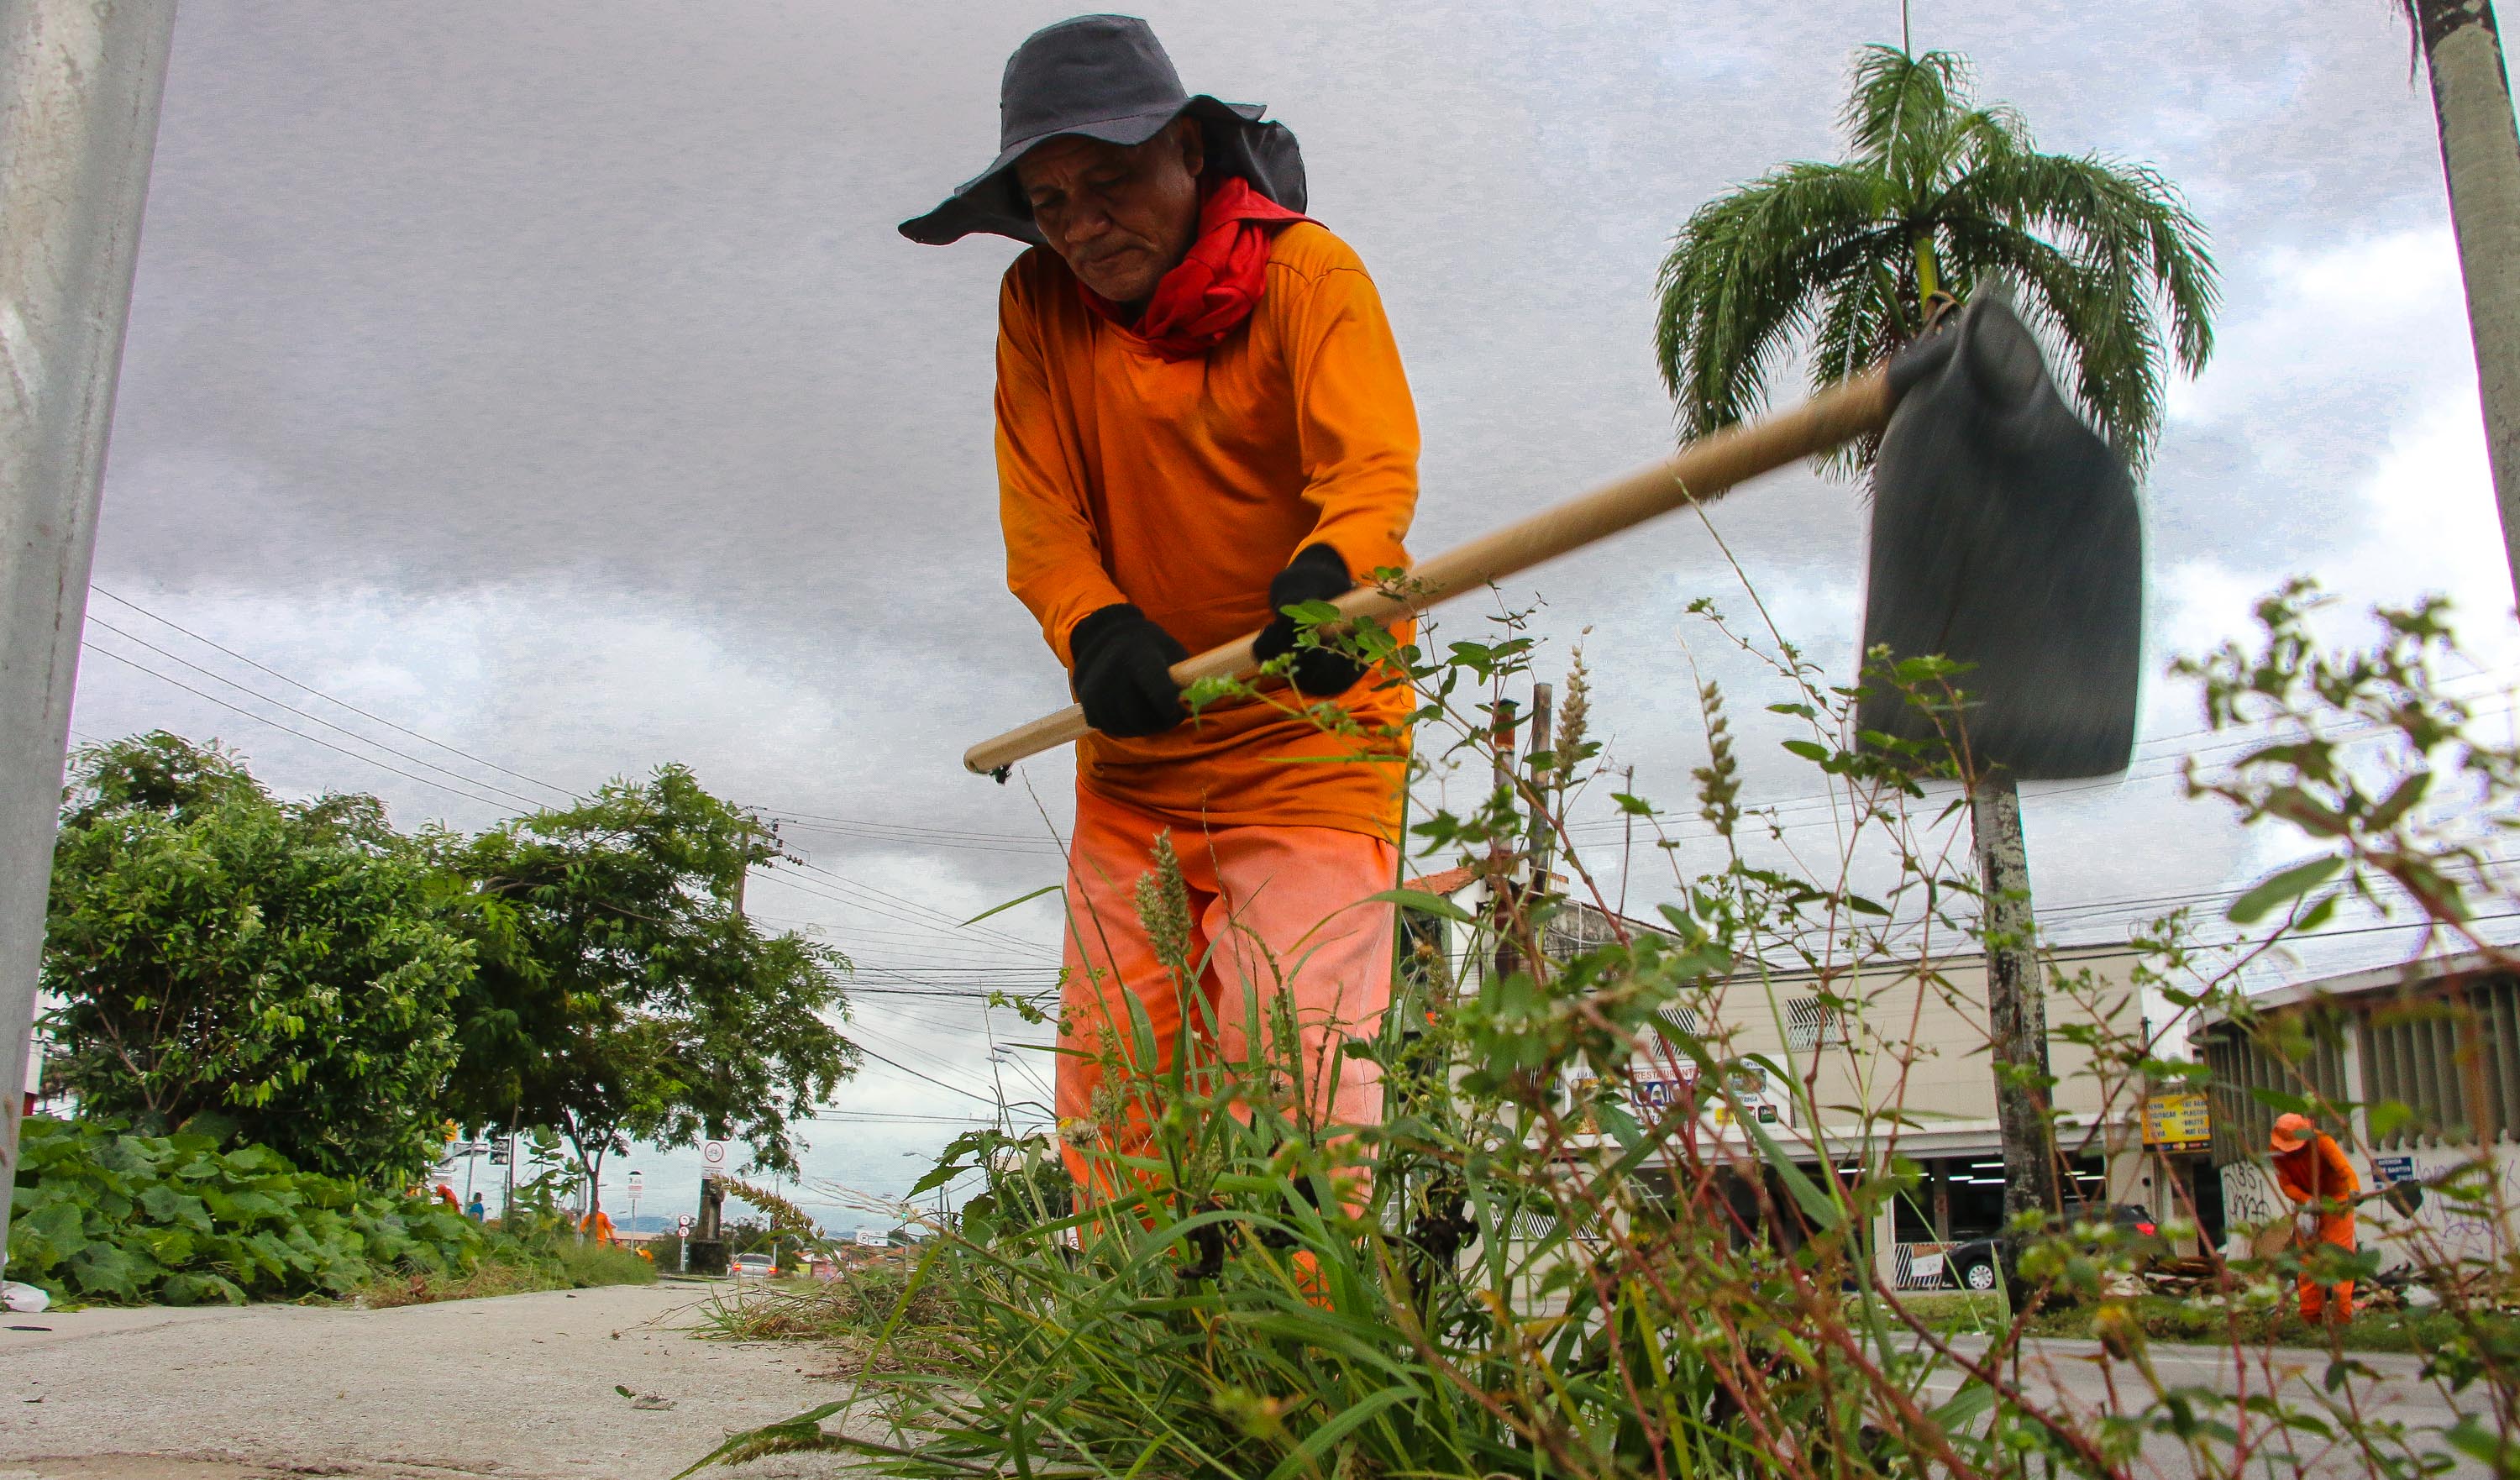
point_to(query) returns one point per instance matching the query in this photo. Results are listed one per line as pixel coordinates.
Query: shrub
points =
(584, 1266)
(104, 1215)
(509, 1267)
(284, 968)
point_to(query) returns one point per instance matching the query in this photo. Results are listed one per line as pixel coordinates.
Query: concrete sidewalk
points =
(518, 1386)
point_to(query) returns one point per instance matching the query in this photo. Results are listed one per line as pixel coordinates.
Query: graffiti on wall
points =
(2458, 1229)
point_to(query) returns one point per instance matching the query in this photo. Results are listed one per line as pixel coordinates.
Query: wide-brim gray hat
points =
(1104, 78)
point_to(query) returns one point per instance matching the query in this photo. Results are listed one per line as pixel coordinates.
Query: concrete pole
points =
(2016, 1003)
(79, 83)
(1540, 839)
(2480, 151)
(1499, 864)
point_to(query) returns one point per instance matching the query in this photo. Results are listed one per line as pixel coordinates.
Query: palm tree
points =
(2480, 159)
(1845, 262)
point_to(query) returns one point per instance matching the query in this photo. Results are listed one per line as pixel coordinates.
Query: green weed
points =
(103, 1215)
(1530, 1267)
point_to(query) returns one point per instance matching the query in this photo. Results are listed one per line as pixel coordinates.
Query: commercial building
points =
(1895, 1055)
(2422, 1063)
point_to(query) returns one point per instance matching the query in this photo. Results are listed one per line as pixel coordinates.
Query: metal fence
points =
(2244, 1064)
(2448, 1052)
(2451, 1059)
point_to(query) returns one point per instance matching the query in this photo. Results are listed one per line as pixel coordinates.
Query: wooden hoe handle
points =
(1697, 473)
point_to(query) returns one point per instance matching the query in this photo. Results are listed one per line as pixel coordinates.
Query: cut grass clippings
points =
(850, 1313)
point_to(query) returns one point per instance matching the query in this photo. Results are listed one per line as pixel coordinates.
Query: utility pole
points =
(1627, 846)
(2016, 1007)
(80, 85)
(1500, 868)
(1542, 839)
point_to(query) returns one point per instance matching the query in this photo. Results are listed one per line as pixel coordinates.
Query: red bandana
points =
(1198, 303)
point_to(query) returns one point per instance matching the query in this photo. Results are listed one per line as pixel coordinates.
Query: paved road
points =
(2073, 1375)
(515, 1387)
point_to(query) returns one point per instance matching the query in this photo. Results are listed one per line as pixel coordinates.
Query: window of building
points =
(1811, 1024)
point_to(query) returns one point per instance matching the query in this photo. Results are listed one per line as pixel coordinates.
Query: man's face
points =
(1120, 216)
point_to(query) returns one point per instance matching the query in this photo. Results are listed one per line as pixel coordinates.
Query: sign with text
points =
(1654, 1094)
(2179, 1122)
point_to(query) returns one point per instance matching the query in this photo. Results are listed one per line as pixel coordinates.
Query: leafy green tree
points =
(621, 991)
(281, 970)
(1939, 198)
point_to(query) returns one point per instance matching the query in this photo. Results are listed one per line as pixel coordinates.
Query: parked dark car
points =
(1978, 1264)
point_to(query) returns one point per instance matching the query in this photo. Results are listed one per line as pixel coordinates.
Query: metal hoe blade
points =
(2006, 534)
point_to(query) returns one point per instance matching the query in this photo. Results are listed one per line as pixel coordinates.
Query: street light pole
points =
(80, 85)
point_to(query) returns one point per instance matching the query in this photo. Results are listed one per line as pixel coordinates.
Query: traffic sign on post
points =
(712, 1157)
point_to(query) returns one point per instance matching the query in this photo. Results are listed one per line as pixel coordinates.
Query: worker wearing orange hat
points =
(1201, 422)
(2312, 1170)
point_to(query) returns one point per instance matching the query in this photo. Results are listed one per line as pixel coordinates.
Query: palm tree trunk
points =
(2480, 159)
(2016, 1005)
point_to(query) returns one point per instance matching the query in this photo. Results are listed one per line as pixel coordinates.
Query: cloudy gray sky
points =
(549, 382)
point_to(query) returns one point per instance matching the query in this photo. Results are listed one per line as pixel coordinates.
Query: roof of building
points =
(2417, 973)
(1446, 883)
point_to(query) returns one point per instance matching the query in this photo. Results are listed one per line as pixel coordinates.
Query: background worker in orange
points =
(1201, 418)
(2312, 1170)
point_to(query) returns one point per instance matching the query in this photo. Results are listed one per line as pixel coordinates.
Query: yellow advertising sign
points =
(2178, 1121)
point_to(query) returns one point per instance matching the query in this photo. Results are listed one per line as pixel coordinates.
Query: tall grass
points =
(509, 1265)
(1523, 1270)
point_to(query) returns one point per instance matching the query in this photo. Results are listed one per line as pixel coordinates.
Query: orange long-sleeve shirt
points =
(2320, 1174)
(1183, 486)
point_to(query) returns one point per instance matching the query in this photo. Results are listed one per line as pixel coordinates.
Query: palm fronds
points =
(1742, 281)
(1938, 192)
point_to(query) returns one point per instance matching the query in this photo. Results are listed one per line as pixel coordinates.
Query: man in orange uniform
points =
(2312, 1170)
(1202, 420)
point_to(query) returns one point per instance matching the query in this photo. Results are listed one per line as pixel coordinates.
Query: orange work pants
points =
(1277, 915)
(2329, 1301)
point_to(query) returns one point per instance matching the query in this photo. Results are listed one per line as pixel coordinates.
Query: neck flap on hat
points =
(1217, 286)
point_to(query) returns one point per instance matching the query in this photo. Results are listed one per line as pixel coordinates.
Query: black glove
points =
(1123, 672)
(1315, 574)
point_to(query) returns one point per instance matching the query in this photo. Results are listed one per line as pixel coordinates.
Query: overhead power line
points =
(2151, 768)
(927, 911)
(329, 699)
(312, 719)
(312, 740)
(941, 933)
(924, 837)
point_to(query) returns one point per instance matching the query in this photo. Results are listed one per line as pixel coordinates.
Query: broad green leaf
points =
(1814, 1202)
(2288, 884)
